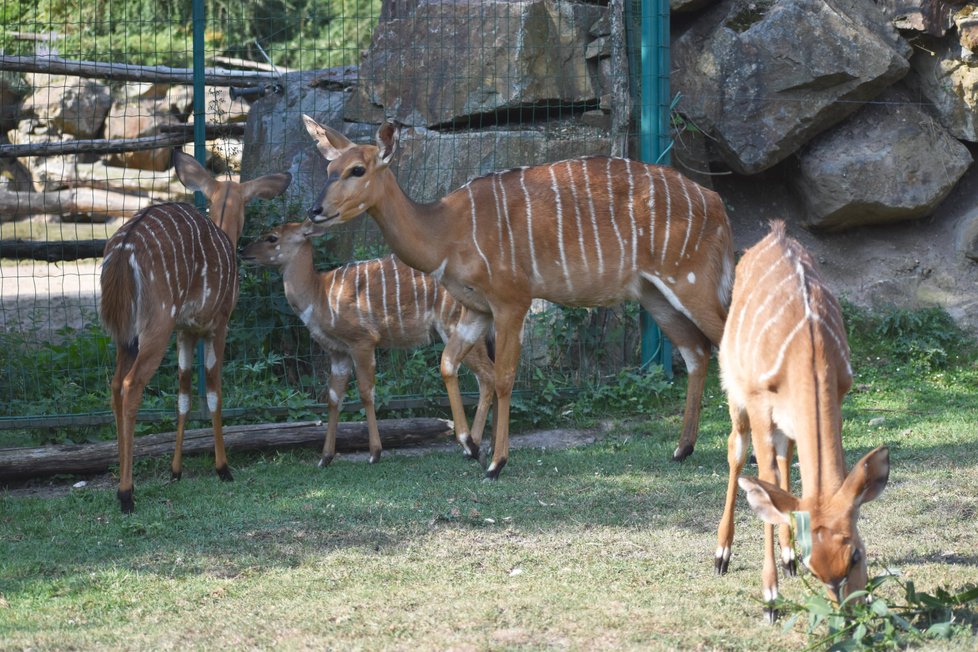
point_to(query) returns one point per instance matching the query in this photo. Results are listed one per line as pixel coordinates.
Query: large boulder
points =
(890, 162)
(13, 90)
(136, 117)
(950, 82)
(511, 55)
(928, 16)
(275, 138)
(420, 164)
(762, 77)
(69, 105)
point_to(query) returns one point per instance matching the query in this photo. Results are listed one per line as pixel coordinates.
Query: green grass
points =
(606, 546)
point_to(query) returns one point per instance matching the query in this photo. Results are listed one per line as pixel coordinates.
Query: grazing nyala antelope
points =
(584, 232)
(784, 363)
(353, 309)
(170, 268)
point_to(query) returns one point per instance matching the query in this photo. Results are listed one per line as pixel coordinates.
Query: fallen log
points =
(129, 73)
(100, 204)
(175, 136)
(51, 252)
(23, 463)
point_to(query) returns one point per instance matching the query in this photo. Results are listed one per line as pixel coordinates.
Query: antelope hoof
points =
(682, 452)
(492, 473)
(374, 457)
(721, 564)
(176, 475)
(325, 460)
(470, 450)
(126, 501)
(224, 473)
(790, 567)
(771, 614)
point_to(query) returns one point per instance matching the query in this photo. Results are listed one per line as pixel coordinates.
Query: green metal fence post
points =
(655, 139)
(200, 141)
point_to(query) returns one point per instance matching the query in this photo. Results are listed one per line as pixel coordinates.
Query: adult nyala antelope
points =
(584, 232)
(352, 310)
(784, 362)
(170, 268)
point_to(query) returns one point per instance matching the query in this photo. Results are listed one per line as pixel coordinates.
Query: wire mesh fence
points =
(96, 95)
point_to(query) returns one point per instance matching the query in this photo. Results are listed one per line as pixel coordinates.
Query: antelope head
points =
(826, 529)
(228, 198)
(276, 247)
(352, 182)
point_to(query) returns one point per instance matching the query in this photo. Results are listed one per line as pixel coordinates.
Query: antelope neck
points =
(421, 235)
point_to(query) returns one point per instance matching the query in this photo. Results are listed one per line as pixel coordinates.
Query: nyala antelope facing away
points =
(784, 363)
(584, 232)
(353, 309)
(170, 268)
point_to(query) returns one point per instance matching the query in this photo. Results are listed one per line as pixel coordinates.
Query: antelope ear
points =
(266, 187)
(329, 142)
(770, 503)
(868, 477)
(191, 173)
(387, 136)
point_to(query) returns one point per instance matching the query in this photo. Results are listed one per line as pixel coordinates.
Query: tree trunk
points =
(22, 463)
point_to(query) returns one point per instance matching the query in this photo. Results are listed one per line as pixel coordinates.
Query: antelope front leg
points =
(365, 366)
(471, 327)
(765, 438)
(509, 334)
(736, 457)
(784, 455)
(185, 358)
(339, 376)
(213, 362)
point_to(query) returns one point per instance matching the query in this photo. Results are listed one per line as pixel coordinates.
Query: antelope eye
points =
(857, 556)
(273, 239)
(358, 171)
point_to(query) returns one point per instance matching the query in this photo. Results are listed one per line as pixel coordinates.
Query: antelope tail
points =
(120, 301)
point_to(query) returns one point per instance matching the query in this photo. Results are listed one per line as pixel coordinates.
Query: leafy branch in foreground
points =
(868, 621)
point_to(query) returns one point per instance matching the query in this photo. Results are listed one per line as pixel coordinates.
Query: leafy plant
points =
(867, 620)
(926, 339)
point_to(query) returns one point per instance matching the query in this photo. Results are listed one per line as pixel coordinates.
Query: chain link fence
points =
(94, 97)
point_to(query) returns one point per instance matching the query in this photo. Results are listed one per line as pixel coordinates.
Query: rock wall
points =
(854, 120)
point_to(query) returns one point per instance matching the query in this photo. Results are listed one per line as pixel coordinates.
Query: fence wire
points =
(56, 361)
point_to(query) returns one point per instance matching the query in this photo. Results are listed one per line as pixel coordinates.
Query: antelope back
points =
(381, 300)
(577, 232)
(169, 265)
(784, 360)
(584, 231)
(785, 334)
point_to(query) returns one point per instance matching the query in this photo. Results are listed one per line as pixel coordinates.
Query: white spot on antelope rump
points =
(691, 277)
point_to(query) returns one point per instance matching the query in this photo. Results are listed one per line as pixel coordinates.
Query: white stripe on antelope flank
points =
(689, 222)
(594, 219)
(613, 218)
(528, 208)
(560, 228)
(475, 231)
(577, 215)
(665, 240)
